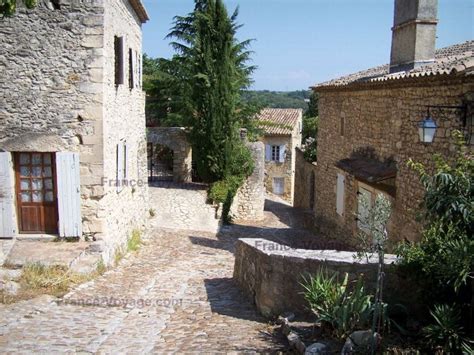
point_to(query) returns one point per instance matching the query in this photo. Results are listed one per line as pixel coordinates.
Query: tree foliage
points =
(168, 92)
(277, 99)
(310, 128)
(443, 261)
(8, 7)
(215, 64)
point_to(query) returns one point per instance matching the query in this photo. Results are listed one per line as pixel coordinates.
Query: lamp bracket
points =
(462, 108)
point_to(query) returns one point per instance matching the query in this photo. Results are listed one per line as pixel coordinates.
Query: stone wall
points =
(59, 94)
(51, 100)
(174, 138)
(122, 211)
(382, 121)
(249, 201)
(270, 275)
(305, 182)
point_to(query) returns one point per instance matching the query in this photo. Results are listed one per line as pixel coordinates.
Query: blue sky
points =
(302, 42)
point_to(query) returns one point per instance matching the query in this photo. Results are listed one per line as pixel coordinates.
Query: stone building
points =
(72, 122)
(282, 135)
(369, 122)
(305, 182)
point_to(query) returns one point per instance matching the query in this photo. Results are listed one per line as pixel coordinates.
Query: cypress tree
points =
(216, 65)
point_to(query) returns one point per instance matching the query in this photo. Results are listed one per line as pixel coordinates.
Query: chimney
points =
(413, 34)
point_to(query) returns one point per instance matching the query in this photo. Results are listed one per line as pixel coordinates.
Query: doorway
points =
(35, 177)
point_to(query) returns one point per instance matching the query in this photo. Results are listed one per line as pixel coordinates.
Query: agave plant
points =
(337, 306)
(446, 334)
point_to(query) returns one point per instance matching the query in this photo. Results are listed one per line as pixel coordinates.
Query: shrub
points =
(443, 262)
(446, 333)
(53, 280)
(335, 306)
(135, 240)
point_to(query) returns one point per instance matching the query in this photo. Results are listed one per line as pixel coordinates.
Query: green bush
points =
(443, 262)
(336, 306)
(446, 333)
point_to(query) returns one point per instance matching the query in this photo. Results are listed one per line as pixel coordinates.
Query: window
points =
(340, 187)
(278, 186)
(342, 126)
(119, 60)
(121, 159)
(131, 71)
(275, 152)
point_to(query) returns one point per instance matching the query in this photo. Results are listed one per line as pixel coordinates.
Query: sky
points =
(299, 43)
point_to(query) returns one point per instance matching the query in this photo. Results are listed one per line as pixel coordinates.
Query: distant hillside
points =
(279, 99)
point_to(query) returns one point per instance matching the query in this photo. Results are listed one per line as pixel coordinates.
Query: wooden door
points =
(36, 192)
(278, 186)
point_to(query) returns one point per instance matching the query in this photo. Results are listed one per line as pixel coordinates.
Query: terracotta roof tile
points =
(449, 60)
(279, 121)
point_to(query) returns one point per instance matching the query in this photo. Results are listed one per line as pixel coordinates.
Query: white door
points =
(278, 186)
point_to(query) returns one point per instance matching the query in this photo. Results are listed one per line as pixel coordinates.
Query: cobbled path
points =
(175, 295)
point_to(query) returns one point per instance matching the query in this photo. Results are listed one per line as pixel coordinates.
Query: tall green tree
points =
(167, 92)
(216, 65)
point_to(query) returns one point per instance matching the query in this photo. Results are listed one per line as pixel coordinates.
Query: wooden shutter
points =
(69, 194)
(340, 194)
(282, 153)
(268, 152)
(7, 199)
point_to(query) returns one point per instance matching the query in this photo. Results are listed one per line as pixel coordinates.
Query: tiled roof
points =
(279, 121)
(140, 10)
(449, 60)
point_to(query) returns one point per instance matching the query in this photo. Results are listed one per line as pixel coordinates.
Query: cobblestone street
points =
(175, 295)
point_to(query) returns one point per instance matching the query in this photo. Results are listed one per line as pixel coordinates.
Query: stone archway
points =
(175, 139)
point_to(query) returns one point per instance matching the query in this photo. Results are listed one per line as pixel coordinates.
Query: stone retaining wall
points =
(270, 274)
(249, 201)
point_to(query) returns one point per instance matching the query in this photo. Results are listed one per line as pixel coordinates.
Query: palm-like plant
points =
(446, 335)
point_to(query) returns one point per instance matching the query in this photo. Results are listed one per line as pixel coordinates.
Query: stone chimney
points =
(413, 34)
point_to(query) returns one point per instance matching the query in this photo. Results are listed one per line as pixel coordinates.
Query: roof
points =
(368, 170)
(279, 121)
(137, 5)
(458, 58)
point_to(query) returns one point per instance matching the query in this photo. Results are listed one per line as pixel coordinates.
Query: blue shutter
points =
(282, 153)
(268, 152)
(7, 204)
(69, 194)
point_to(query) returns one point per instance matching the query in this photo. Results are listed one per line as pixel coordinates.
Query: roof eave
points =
(140, 10)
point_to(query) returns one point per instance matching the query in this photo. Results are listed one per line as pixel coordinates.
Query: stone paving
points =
(175, 295)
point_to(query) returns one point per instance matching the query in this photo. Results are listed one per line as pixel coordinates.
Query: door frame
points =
(16, 165)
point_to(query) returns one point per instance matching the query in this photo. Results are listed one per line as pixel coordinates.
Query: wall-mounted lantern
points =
(427, 127)
(427, 130)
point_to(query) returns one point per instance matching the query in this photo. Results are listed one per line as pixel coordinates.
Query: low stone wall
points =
(270, 275)
(249, 201)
